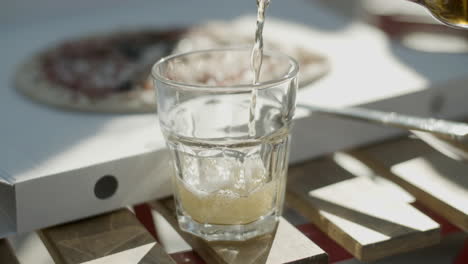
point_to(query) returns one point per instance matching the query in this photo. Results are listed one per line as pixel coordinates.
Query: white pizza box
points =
(54, 165)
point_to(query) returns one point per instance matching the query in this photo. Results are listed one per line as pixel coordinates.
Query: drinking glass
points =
(229, 139)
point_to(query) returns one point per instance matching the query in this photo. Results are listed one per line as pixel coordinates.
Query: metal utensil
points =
(448, 137)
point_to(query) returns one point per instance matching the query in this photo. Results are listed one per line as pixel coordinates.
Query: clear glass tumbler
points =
(229, 139)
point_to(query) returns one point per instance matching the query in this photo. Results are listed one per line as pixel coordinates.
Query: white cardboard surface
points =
(54, 157)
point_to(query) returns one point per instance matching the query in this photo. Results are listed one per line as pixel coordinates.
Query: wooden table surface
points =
(108, 238)
(354, 211)
(286, 245)
(435, 180)
(7, 255)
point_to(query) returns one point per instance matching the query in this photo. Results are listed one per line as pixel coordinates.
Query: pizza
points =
(312, 65)
(111, 72)
(100, 73)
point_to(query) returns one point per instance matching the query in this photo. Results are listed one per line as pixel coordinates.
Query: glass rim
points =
(292, 73)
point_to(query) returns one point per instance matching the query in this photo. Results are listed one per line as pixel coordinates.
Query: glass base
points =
(264, 225)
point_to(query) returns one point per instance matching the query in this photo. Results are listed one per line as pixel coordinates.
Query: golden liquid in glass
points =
(227, 207)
